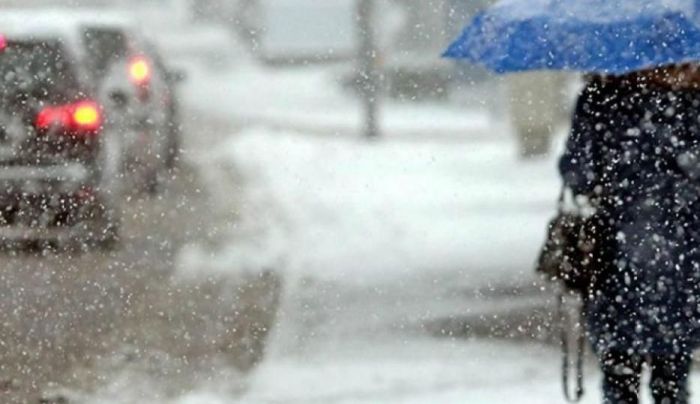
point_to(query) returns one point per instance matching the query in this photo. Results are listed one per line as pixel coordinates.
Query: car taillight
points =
(52, 117)
(3, 42)
(140, 71)
(79, 117)
(86, 116)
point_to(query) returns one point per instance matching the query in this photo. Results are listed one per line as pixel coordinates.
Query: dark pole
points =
(368, 67)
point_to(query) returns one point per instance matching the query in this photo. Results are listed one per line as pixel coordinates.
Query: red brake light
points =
(140, 70)
(3, 42)
(83, 116)
(53, 116)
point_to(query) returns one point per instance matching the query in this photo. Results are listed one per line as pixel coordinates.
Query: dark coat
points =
(636, 149)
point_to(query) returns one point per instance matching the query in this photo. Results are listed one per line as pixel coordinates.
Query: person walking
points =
(634, 155)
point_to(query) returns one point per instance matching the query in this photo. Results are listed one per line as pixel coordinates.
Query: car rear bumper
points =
(45, 202)
(41, 179)
(19, 233)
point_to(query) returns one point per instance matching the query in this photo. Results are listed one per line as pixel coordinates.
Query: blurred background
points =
(353, 220)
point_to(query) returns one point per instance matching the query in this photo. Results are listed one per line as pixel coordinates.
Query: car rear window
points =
(104, 47)
(36, 69)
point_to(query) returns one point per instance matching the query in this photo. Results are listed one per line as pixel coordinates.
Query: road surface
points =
(78, 321)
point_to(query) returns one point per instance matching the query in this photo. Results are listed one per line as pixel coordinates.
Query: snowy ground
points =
(376, 239)
(354, 211)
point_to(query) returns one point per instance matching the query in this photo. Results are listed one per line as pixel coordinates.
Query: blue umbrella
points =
(597, 36)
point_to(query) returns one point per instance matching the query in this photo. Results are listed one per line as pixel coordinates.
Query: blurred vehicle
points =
(169, 78)
(136, 90)
(59, 161)
(139, 91)
(133, 78)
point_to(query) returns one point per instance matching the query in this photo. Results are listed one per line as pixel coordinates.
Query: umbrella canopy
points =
(597, 36)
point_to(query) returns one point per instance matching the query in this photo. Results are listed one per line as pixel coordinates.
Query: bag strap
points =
(566, 362)
(561, 199)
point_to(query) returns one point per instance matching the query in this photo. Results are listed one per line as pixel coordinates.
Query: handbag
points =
(572, 252)
(572, 256)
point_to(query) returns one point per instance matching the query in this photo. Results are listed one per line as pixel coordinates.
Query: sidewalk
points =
(380, 244)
